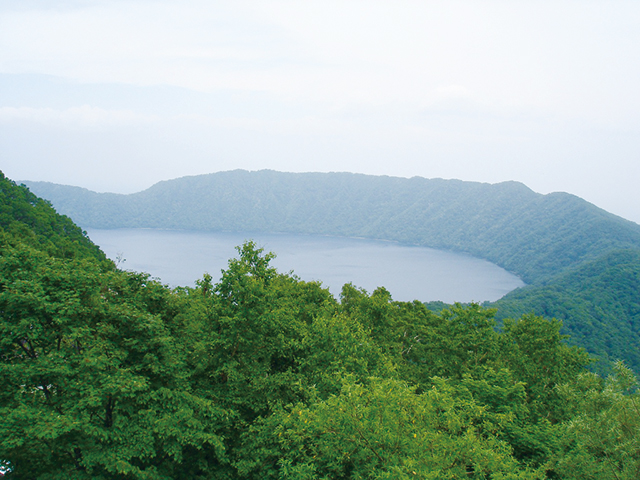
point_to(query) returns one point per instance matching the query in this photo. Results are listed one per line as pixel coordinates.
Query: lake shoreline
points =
(409, 272)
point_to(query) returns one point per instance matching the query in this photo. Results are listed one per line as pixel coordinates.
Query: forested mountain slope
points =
(109, 374)
(31, 220)
(532, 235)
(597, 301)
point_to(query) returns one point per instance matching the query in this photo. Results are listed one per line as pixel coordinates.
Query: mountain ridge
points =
(529, 234)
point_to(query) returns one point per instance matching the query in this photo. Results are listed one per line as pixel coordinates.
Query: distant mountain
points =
(582, 263)
(532, 235)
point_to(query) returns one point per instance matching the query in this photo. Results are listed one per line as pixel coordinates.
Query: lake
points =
(179, 258)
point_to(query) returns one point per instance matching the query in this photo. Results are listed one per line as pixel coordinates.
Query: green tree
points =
(251, 333)
(537, 354)
(386, 430)
(602, 441)
(94, 380)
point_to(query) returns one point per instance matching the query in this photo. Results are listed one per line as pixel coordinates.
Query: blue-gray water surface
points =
(179, 258)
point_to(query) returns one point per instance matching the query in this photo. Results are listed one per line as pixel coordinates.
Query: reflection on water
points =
(408, 272)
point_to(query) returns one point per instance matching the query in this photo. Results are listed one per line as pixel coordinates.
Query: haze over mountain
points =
(553, 242)
(540, 92)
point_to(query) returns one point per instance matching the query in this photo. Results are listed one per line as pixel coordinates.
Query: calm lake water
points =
(179, 258)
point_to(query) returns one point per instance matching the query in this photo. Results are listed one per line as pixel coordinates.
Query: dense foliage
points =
(109, 374)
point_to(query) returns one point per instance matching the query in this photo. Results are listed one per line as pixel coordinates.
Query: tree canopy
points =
(109, 374)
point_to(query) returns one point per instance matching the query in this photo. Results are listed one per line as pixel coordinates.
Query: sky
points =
(116, 95)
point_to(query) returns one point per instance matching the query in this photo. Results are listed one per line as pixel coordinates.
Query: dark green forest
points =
(109, 374)
(581, 263)
(598, 303)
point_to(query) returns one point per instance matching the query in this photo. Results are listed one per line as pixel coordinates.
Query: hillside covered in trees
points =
(529, 234)
(111, 375)
(581, 263)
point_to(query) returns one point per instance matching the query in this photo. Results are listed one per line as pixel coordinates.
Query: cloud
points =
(550, 56)
(476, 90)
(84, 116)
(452, 91)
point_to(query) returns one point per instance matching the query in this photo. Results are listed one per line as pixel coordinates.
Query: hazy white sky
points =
(116, 95)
